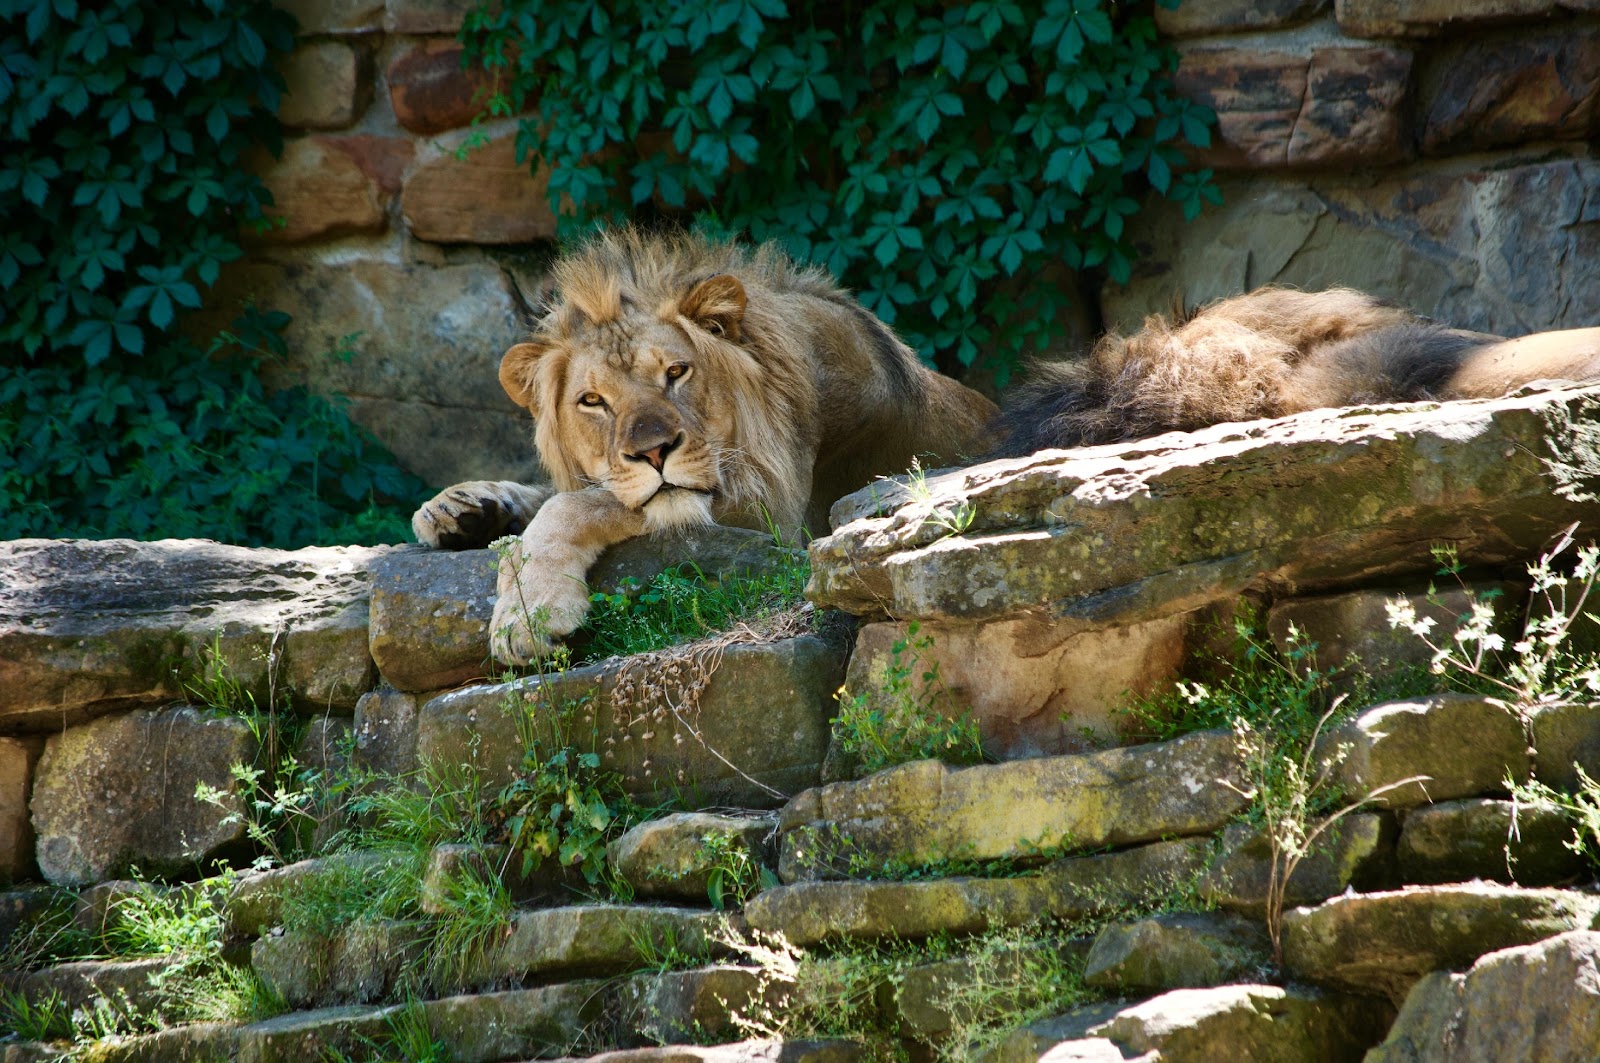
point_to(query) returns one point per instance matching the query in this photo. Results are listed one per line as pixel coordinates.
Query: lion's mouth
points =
(665, 487)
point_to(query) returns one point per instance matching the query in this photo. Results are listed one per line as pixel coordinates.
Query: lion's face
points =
(631, 404)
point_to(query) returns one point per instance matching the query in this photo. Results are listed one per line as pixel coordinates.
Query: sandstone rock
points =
(1313, 502)
(1355, 624)
(425, 16)
(1322, 106)
(728, 753)
(1392, 18)
(79, 984)
(675, 856)
(425, 343)
(1064, 1038)
(487, 198)
(327, 86)
(431, 91)
(383, 159)
(1536, 1002)
(682, 1006)
(1451, 240)
(1459, 840)
(356, 964)
(100, 909)
(1254, 1023)
(119, 793)
(201, 1042)
(550, 881)
(386, 731)
(925, 812)
(319, 191)
(743, 1052)
(1566, 738)
(22, 909)
(1069, 889)
(1177, 951)
(1465, 745)
(254, 904)
(1512, 91)
(87, 628)
(335, 16)
(1384, 942)
(1223, 16)
(518, 1024)
(1032, 689)
(1359, 853)
(595, 939)
(17, 758)
(927, 1000)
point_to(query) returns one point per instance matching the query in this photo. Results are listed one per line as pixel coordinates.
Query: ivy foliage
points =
(123, 185)
(943, 158)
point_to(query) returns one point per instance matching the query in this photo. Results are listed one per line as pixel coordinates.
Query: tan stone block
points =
(1396, 18)
(426, 16)
(1502, 92)
(430, 91)
(328, 86)
(319, 190)
(17, 758)
(1194, 19)
(335, 16)
(384, 159)
(486, 198)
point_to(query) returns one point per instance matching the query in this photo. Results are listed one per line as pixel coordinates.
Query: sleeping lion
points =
(679, 381)
(1270, 353)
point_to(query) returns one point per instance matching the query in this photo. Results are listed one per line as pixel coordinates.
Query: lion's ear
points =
(716, 304)
(519, 373)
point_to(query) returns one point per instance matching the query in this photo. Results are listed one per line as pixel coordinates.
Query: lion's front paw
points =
(538, 612)
(471, 515)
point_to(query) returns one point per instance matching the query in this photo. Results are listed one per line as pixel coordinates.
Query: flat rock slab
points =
(1533, 1004)
(596, 939)
(1566, 738)
(1177, 950)
(673, 1006)
(80, 984)
(1384, 942)
(1359, 854)
(88, 628)
(925, 812)
(925, 1000)
(1503, 841)
(119, 793)
(254, 903)
(756, 732)
(744, 1052)
(358, 964)
(1464, 744)
(678, 855)
(1070, 889)
(1320, 501)
(431, 608)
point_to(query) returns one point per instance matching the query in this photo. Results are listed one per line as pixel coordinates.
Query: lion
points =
(676, 381)
(1270, 353)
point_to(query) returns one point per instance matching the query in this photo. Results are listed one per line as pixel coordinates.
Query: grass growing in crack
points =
(45, 1019)
(911, 715)
(409, 1040)
(684, 604)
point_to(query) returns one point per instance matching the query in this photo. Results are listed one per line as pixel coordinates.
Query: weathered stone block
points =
(1032, 687)
(925, 1000)
(487, 198)
(1464, 744)
(1384, 942)
(1507, 91)
(1177, 951)
(1249, 1022)
(327, 86)
(254, 904)
(549, 881)
(21, 909)
(1069, 889)
(425, 16)
(675, 856)
(1394, 18)
(1356, 624)
(1359, 853)
(335, 16)
(120, 793)
(684, 1006)
(757, 731)
(1319, 501)
(319, 191)
(595, 939)
(17, 759)
(785, 1051)
(1566, 738)
(1535, 1002)
(925, 812)
(1223, 16)
(87, 627)
(303, 1035)
(357, 964)
(431, 91)
(1478, 838)
(80, 984)
(518, 1024)
(1320, 106)
(386, 731)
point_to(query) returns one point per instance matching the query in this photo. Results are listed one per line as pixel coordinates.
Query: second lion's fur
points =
(1269, 353)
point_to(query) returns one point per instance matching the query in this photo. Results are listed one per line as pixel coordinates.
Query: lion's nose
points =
(657, 455)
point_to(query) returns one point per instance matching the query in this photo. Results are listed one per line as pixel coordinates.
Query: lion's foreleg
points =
(476, 513)
(542, 591)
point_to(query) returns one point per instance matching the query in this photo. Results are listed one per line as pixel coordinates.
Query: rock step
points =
(742, 1052)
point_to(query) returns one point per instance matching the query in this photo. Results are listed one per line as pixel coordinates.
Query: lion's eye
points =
(591, 398)
(676, 370)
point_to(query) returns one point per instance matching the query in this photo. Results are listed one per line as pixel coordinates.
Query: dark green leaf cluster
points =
(942, 158)
(124, 127)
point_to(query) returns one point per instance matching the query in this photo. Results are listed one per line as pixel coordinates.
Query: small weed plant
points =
(733, 872)
(911, 716)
